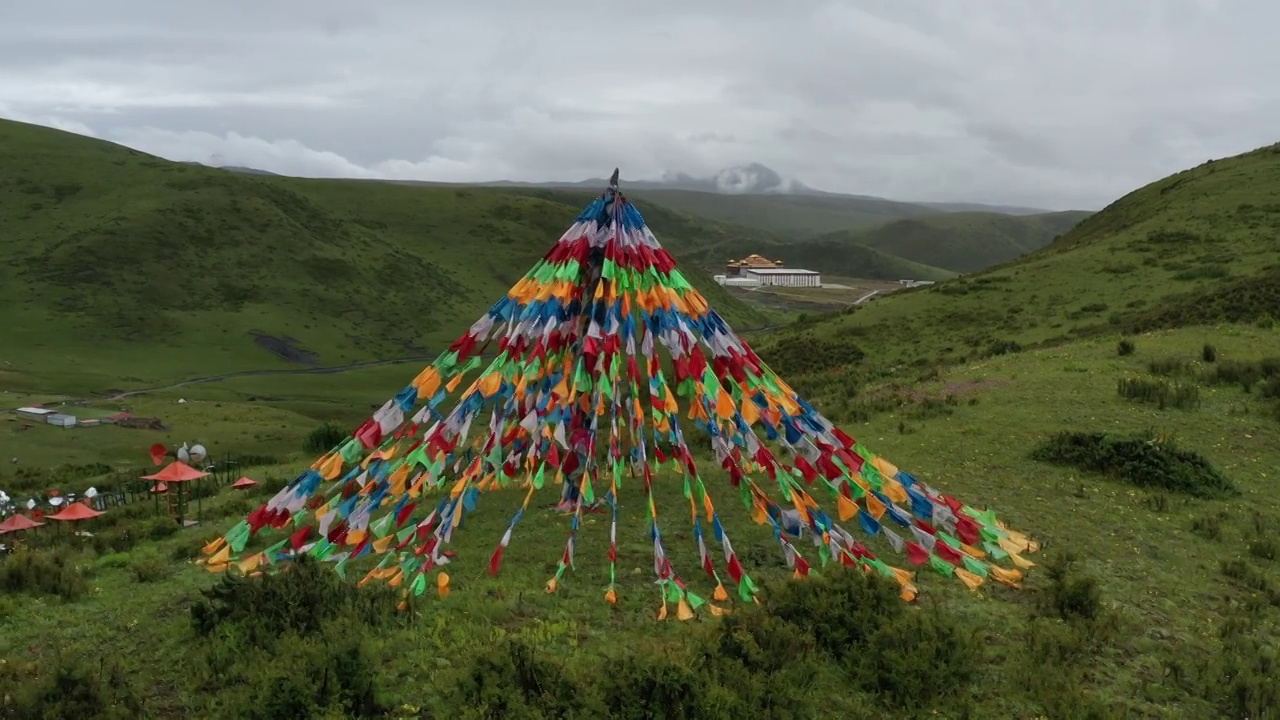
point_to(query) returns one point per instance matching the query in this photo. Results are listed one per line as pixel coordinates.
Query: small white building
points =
(785, 277)
(730, 281)
(915, 283)
(34, 414)
(62, 421)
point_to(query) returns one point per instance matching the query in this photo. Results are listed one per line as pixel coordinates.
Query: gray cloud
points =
(1053, 103)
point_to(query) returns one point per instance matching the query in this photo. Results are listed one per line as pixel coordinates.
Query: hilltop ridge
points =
(1197, 247)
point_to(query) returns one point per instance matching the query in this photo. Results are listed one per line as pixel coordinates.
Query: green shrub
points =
(1208, 526)
(1167, 366)
(906, 657)
(1071, 595)
(1144, 462)
(43, 572)
(1264, 548)
(512, 679)
(332, 674)
(299, 599)
(150, 568)
(325, 438)
(1209, 353)
(1245, 373)
(1125, 347)
(72, 689)
(1161, 393)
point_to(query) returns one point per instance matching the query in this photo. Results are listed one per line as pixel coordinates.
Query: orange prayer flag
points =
(970, 580)
(442, 584)
(750, 411)
(874, 506)
(683, 611)
(724, 405)
(845, 507)
(1012, 578)
(490, 384)
(222, 556)
(894, 490)
(453, 383)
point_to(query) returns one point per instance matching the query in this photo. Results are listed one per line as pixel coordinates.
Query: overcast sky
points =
(1049, 103)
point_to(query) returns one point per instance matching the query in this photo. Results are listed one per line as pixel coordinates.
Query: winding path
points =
(331, 370)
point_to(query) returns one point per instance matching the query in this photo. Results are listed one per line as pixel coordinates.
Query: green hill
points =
(962, 242)
(121, 268)
(1195, 248)
(846, 259)
(791, 217)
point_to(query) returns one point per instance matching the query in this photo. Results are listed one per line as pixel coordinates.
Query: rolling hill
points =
(1195, 248)
(960, 242)
(121, 268)
(758, 197)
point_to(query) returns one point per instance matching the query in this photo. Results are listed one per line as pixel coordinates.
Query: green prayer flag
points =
(940, 566)
(695, 601)
(974, 566)
(419, 585)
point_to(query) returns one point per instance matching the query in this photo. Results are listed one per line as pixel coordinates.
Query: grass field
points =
(1157, 557)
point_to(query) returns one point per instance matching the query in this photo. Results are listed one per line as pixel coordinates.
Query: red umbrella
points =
(18, 522)
(176, 471)
(243, 483)
(74, 512)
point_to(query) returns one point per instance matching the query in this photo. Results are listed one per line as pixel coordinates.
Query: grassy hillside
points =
(833, 257)
(962, 242)
(121, 268)
(1196, 248)
(1167, 596)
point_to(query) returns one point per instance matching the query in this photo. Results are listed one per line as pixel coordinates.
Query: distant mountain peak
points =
(750, 179)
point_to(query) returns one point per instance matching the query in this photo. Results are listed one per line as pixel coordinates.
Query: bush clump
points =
(297, 600)
(1144, 462)
(1161, 393)
(324, 438)
(71, 689)
(43, 572)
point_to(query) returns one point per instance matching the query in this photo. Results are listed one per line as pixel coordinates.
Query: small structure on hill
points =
(34, 414)
(735, 268)
(914, 283)
(61, 420)
(785, 277)
(756, 270)
(736, 281)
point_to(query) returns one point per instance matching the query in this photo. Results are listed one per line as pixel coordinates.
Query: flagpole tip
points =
(613, 179)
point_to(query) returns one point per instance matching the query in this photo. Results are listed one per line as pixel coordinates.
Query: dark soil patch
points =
(285, 348)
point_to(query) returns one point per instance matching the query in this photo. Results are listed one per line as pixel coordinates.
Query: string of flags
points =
(605, 357)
